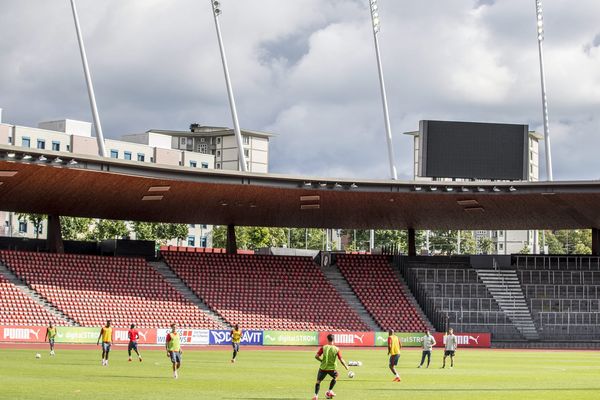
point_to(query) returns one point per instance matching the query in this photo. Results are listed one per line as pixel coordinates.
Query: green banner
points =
(76, 334)
(408, 339)
(290, 338)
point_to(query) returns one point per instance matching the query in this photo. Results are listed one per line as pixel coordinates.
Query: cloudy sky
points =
(305, 70)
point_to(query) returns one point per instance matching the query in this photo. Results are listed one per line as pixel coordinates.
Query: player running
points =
(134, 335)
(173, 345)
(451, 345)
(428, 343)
(236, 338)
(106, 336)
(328, 355)
(50, 335)
(394, 347)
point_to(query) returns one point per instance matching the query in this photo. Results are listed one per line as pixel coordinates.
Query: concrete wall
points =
(133, 148)
(167, 157)
(5, 134)
(34, 134)
(84, 145)
(68, 126)
(199, 158)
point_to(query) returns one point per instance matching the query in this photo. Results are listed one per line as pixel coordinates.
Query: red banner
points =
(28, 334)
(147, 336)
(467, 340)
(354, 339)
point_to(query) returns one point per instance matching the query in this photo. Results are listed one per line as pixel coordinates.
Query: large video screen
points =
(473, 150)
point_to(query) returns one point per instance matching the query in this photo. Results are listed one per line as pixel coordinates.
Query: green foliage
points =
(486, 245)
(578, 241)
(105, 229)
(468, 244)
(73, 228)
(443, 242)
(160, 232)
(524, 250)
(35, 219)
(254, 238)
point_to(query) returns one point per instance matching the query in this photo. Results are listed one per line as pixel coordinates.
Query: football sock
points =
(317, 388)
(332, 384)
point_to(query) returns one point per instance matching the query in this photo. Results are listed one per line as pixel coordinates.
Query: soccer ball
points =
(38, 355)
(329, 394)
(350, 374)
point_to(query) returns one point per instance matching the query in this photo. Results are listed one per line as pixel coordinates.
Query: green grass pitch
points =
(277, 374)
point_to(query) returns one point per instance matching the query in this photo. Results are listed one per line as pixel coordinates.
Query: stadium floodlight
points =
(42, 158)
(58, 160)
(26, 157)
(464, 189)
(433, 188)
(495, 189)
(512, 189)
(90, 86)
(449, 189)
(217, 10)
(73, 162)
(374, 9)
(480, 189)
(307, 183)
(418, 188)
(323, 184)
(11, 155)
(337, 185)
(540, 38)
(354, 186)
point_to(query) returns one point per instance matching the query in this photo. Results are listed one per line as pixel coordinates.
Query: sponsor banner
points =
(357, 339)
(223, 337)
(188, 336)
(76, 334)
(408, 339)
(466, 340)
(28, 334)
(147, 336)
(290, 338)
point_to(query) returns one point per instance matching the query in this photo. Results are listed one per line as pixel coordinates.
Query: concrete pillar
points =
(54, 242)
(412, 242)
(595, 241)
(231, 240)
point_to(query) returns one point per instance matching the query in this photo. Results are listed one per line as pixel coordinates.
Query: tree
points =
(445, 242)
(468, 244)
(73, 228)
(524, 250)
(486, 245)
(160, 232)
(105, 229)
(35, 219)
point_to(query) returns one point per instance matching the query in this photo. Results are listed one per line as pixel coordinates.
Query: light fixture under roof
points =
(152, 198)
(464, 189)
(11, 155)
(433, 188)
(58, 160)
(309, 206)
(449, 189)
(307, 183)
(73, 162)
(480, 189)
(337, 185)
(323, 184)
(159, 188)
(42, 158)
(418, 188)
(354, 186)
(512, 189)
(495, 189)
(310, 198)
(27, 157)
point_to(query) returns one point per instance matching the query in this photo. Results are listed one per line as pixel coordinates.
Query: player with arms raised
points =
(328, 355)
(236, 338)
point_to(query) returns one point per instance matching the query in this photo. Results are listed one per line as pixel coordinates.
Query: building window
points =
(182, 141)
(127, 155)
(191, 241)
(10, 140)
(192, 226)
(204, 165)
(204, 226)
(114, 154)
(246, 139)
(141, 157)
(25, 142)
(218, 140)
(41, 144)
(68, 148)
(203, 241)
(218, 166)
(218, 153)
(203, 148)
(202, 140)
(55, 145)
(22, 227)
(193, 164)
(501, 247)
(151, 159)
(247, 165)
(246, 153)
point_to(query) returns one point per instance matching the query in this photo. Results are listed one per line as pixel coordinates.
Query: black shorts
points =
(132, 346)
(236, 346)
(449, 353)
(394, 360)
(322, 374)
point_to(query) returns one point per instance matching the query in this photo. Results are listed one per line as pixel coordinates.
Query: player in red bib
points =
(134, 335)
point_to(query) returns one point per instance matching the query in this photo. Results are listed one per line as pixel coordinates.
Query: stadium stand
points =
(17, 308)
(375, 283)
(563, 293)
(92, 289)
(452, 295)
(265, 292)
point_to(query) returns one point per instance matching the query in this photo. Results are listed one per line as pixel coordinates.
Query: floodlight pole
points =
(90, 86)
(386, 114)
(216, 7)
(540, 39)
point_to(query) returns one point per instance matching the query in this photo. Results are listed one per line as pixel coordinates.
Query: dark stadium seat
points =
(265, 292)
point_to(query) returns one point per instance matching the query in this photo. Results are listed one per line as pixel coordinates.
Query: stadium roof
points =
(108, 188)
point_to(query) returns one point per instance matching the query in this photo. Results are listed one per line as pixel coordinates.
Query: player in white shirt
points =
(428, 343)
(450, 348)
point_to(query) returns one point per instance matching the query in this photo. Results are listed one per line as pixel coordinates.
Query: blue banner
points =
(223, 337)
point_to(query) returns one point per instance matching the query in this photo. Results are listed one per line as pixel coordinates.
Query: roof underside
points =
(106, 188)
